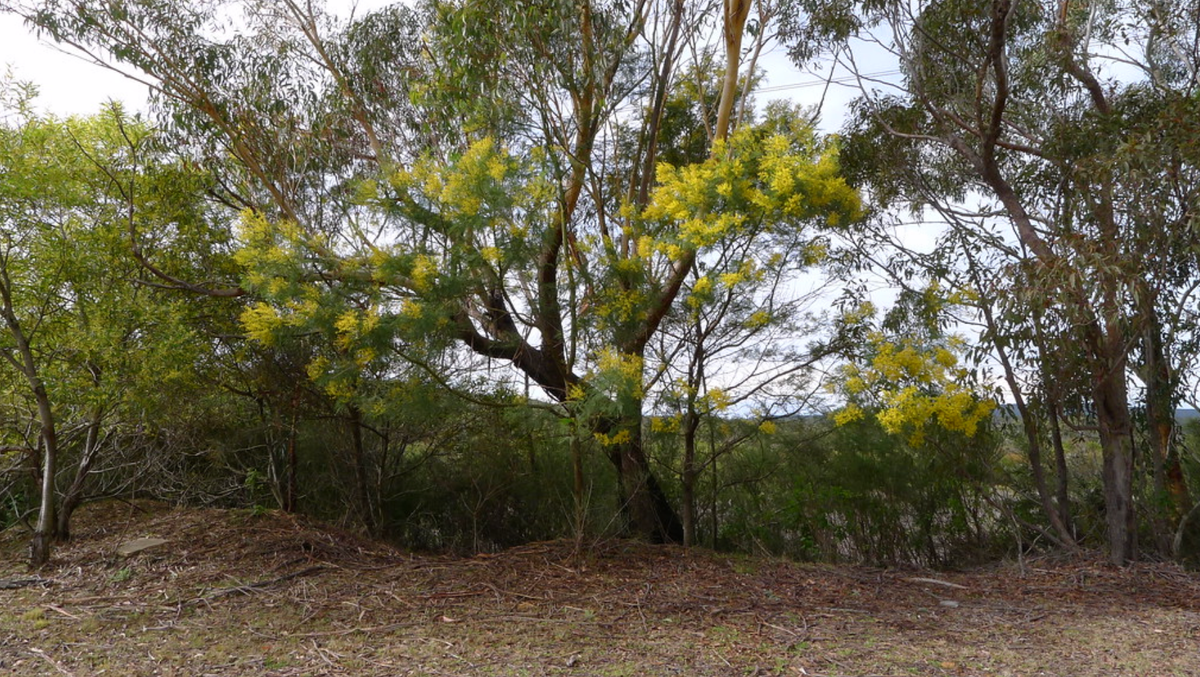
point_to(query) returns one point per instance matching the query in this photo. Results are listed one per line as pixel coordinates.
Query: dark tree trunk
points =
(643, 501)
(1029, 426)
(1062, 473)
(289, 491)
(361, 489)
(690, 475)
(1053, 404)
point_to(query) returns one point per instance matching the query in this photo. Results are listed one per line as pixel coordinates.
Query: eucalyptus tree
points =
(1059, 120)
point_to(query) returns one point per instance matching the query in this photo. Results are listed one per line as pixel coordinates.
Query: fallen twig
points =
(59, 610)
(934, 581)
(57, 666)
(251, 587)
(15, 583)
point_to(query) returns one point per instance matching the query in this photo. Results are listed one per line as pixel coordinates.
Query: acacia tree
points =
(1004, 112)
(746, 337)
(27, 298)
(413, 195)
(86, 344)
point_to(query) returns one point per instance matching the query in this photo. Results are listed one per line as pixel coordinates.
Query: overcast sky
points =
(67, 85)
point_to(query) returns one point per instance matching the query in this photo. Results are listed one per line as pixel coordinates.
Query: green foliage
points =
(86, 348)
(870, 496)
(503, 480)
(1008, 122)
(407, 198)
(857, 493)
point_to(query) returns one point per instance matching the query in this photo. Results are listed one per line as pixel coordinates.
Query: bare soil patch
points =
(233, 593)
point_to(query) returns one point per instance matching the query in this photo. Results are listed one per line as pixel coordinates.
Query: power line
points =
(837, 81)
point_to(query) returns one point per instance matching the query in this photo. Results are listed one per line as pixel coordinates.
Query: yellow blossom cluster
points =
(486, 198)
(622, 371)
(621, 305)
(757, 320)
(353, 324)
(665, 424)
(621, 437)
(912, 387)
(748, 183)
(459, 188)
(424, 273)
(266, 249)
(263, 322)
(746, 270)
(264, 237)
(702, 290)
(717, 400)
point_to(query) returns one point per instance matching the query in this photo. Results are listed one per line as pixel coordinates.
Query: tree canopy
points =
(340, 229)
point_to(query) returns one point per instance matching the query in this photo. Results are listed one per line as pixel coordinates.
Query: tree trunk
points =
(1062, 473)
(578, 481)
(45, 532)
(736, 14)
(691, 423)
(643, 502)
(1053, 512)
(1028, 422)
(1116, 441)
(1169, 482)
(73, 498)
(46, 529)
(361, 489)
(1052, 397)
(289, 491)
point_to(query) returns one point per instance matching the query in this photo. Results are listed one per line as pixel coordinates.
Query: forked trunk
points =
(73, 498)
(1062, 472)
(45, 532)
(362, 492)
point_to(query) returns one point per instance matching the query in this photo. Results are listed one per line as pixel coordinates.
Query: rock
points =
(135, 546)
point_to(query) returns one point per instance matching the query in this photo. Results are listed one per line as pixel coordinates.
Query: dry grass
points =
(238, 594)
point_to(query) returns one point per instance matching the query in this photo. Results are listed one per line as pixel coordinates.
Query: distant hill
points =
(1182, 415)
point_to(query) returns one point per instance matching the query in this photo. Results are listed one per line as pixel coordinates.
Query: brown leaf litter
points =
(235, 593)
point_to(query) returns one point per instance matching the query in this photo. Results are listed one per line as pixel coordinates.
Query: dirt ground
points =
(233, 593)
